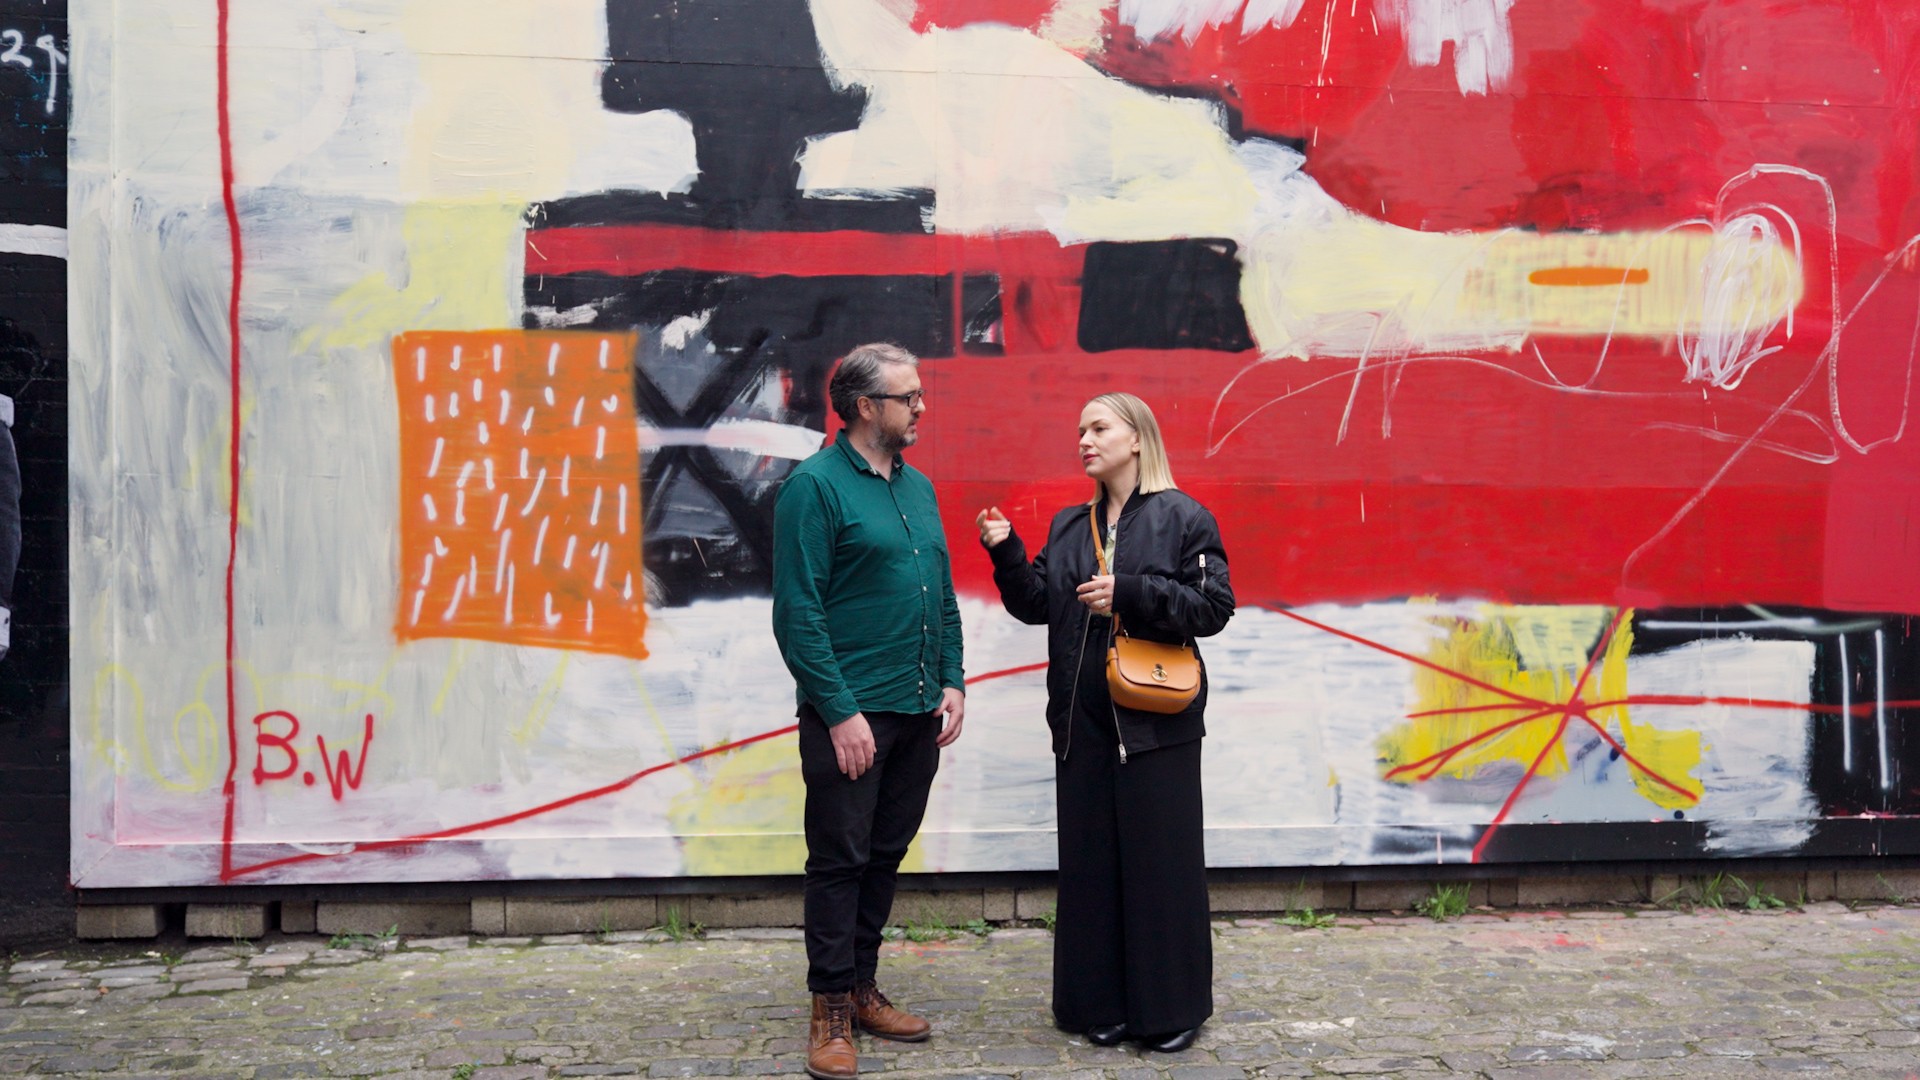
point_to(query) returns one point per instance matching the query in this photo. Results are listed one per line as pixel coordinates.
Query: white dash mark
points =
(456, 358)
(466, 473)
(506, 405)
(589, 618)
(1880, 706)
(440, 547)
(485, 435)
(453, 404)
(549, 393)
(535, 497)
(600, 443)
(419, 597)
(599, 491)
(553, 360)
(623, 509)
(523, 463)
(426, 574)
(600, 575)
(526, 422)
(605, 345)
(496, 358)
(489, 471)
(459, 588)
(432, 513)
(477, 388)
(566, 471)
(500, 563)
(430, 416)
(553, 617)
(473, 575)
(540, 540)
(612, 402)
(460, 508)
(579, 407)
(433, 467)
(509, 604)
(500, 514)
(420, 364)
(1846, 710)
(566, 561)
(627, 590)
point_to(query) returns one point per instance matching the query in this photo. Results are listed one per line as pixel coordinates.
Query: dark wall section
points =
(35, 903)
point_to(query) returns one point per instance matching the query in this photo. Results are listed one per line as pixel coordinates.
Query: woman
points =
(1133, 950)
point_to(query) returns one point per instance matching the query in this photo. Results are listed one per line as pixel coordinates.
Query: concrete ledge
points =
(781, 909)
(1293, 896)
(1403, 895)
(956, 908)
(405, 917)
(98, 922)
(583, 916)
(1899, 886)
(296, 917)
(487, 915)
(1561, 892)
(1034, 903)
(226, 920)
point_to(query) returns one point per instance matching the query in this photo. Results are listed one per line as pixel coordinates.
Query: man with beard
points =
(864, 612)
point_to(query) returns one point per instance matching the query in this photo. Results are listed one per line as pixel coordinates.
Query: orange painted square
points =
(520, 489)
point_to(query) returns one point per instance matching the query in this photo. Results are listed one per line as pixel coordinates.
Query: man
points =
(864, 612)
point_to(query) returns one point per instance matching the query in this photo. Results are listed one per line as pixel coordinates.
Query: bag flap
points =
(1152, 664)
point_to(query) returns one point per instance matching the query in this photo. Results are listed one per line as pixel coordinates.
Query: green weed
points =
(1445, 902)
(677, 928)
(465, 1071)
(1307, 919)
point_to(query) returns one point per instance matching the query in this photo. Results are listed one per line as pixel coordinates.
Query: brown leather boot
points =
(830, 1051)
(878, 1016)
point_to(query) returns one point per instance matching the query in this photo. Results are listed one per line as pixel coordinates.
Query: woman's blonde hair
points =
(1155, 473)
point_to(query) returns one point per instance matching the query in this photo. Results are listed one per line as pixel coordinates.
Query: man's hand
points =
(952, 712)
(994, 526)
(853, 745)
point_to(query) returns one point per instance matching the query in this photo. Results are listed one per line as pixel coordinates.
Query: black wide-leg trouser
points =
(1132, 943)
(857, 833)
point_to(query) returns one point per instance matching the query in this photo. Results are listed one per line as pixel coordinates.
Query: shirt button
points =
(923, 588)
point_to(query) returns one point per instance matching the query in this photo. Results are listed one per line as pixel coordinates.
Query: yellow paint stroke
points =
(543, 702)
(1589, 276)
(463, 263)
(454, 659)
(107, 750)
(746, 817)
(659, 722)
(1537, 652)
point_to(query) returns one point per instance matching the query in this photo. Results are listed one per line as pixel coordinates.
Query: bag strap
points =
(1100, 560)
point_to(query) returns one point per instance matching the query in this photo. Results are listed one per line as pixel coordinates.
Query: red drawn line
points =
(1412, 659)
(1862, 709)
(224, 109)
(228, 872)
(1440, 759)
(1481, 847)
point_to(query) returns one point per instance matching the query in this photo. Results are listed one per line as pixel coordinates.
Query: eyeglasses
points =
(910, 400)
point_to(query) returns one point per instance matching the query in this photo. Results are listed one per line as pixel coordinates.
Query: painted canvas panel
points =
(1548, 364)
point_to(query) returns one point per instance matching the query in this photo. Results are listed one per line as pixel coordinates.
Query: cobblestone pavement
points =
(1618, 993)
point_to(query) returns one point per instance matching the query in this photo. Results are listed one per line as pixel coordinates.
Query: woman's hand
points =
(1097, 593)
(994, 526)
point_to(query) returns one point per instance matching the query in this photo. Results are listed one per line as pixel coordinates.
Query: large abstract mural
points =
(1548, 363)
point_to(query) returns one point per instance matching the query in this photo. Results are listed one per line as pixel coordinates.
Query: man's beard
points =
(891, 442)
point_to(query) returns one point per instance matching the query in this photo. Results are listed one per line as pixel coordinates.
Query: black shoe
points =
(1107, 1034)
(1170, 1044)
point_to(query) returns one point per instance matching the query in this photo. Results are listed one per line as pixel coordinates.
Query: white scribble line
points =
(1846, 710)
(1880, 706)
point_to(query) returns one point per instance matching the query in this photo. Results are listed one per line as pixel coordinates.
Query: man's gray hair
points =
(863, 374)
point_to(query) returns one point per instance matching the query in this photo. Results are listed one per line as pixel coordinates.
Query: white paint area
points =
(762, 437)
(48, 240)
(1478, 32)
(1014, 133)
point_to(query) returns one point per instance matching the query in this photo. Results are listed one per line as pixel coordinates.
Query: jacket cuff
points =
(1008, 552)
(1129, 594)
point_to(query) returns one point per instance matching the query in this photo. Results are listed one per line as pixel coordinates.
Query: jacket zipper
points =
(1074, 696)
(1115, 570)
(1203, 569)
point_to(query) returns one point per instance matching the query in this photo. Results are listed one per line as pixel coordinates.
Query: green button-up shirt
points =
(863, 604)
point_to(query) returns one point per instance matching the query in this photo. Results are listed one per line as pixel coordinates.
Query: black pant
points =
(1133, 943)
(857, 833)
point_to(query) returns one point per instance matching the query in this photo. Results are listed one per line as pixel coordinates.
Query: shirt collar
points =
(845, 442)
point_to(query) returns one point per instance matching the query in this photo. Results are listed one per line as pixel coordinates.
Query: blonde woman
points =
(1133, 951)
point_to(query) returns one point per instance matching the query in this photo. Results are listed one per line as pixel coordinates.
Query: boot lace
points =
(840, 1020)
(870, 997)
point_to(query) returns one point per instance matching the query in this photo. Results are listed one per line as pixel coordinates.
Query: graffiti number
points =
(15, 42)
(55, 58)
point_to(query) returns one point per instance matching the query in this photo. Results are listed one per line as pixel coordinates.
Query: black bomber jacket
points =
(1170, 585)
